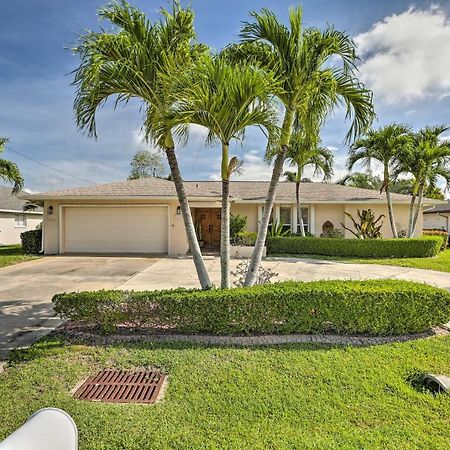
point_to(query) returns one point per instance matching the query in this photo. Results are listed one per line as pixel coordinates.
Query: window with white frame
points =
(305, 217)
(20, 220)
(286, 217)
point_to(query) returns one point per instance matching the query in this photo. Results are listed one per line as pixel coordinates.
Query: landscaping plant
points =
(367, 226)
(9, 171)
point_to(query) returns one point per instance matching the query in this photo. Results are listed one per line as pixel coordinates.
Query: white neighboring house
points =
(437, 217)
(13, 220)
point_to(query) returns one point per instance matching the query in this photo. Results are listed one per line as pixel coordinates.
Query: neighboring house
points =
(13, 220)
(437, 217)
(143, 216)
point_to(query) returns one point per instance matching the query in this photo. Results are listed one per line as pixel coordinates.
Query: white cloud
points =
(407, 55)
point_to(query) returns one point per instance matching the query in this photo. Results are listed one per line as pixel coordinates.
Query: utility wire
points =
(49, 167)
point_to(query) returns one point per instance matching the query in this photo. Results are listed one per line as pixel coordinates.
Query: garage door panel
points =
(116, 230)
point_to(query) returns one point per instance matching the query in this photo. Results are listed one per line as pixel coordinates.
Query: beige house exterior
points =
(143, 216)
(13, 220)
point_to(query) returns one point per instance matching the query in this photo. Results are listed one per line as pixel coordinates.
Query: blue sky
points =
(405, 47)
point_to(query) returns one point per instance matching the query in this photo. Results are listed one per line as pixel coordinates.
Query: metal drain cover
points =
(122, 386)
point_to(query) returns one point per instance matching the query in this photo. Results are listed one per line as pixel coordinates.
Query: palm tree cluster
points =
(285, 80)
(423, 156)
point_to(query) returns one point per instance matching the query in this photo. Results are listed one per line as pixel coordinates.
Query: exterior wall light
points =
(50, 210)
(178, 210)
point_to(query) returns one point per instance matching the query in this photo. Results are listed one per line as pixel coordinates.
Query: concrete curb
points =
(261, 340)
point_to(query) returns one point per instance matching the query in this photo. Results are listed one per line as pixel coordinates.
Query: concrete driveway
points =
(170, 273)
(26, 290)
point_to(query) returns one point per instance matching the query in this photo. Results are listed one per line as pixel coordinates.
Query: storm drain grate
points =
(122, 386)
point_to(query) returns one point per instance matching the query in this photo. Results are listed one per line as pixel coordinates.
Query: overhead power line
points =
(49, 167)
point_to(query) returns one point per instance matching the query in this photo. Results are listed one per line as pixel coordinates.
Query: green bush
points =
(31, 242)
(364, 248)
(237, 225)
(375, 307)
(246, 238)
(442, 233)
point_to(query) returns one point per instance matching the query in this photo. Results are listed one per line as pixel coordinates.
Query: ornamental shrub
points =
(442, 233)
(374, 307)
(363, 248)
(31, 241)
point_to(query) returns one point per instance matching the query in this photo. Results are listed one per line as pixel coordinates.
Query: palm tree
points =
(428, 161)
(137, 61)
(226, 99)
(302, 155)
(383, 145)
(317, 73)
(9, 171)
(361, 180)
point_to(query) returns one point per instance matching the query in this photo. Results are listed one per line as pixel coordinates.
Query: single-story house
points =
(143, 216)
(437, 217)
(13, 220)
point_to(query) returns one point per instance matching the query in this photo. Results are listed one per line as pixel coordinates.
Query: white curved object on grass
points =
(46, 429)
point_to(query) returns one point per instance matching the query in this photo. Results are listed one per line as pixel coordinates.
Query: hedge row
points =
(375, 307)
(31, 242)
(373, 248)
(442, 233)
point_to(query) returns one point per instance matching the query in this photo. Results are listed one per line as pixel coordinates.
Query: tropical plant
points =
(303, 153)
(367, 227)
(383, 145)
(428, 161)
(277, 229)
(265, 275)
(238, 224)
(316, 70)
(136, 60)
(361, 180)
(225, 98)
(146, 164)
(9, 171)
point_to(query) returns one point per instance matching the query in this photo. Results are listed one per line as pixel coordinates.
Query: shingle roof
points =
(243, 190)
(442, 208)
(10, 202)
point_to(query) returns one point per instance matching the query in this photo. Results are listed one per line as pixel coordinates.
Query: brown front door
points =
(209, 221)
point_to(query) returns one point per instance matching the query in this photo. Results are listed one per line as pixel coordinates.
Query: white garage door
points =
(116, 230)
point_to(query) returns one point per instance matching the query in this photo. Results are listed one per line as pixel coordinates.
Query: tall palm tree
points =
(301, 155)
(317, 73)
(226, 99)
(137, 61)
(9, 171)
(385, 146)
(428, 161)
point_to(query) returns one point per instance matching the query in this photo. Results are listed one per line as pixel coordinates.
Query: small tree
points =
(146, 164)
(367, 226)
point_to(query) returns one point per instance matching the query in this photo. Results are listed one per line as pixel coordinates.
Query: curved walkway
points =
(172, 272)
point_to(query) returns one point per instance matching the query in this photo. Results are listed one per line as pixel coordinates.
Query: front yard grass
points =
(283, 397)
(441, 262)
(12, 254)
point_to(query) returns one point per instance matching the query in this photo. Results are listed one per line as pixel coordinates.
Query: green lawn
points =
(286, 397)
(440, 262)
(12, 254)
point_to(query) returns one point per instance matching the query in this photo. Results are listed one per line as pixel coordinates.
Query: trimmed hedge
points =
(31, 242)
(442, 233)
(375, 307)
(364, 248)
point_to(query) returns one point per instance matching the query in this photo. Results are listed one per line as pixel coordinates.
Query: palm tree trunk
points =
(299, 209)
(416, 215)
(225, 221)
(203, 276)
(411, 214)
(255, 261)
(391, 213)
(225, 236)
